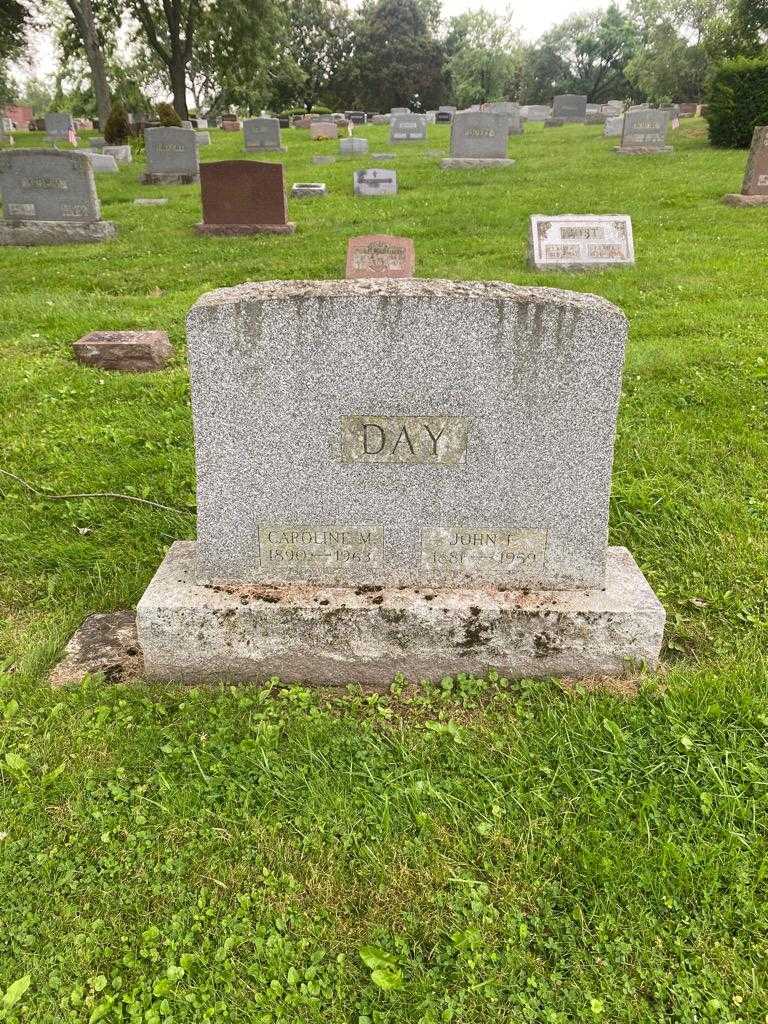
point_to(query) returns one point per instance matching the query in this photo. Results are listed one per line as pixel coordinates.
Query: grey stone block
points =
(54, 232)
(331, 635)
(453, 163)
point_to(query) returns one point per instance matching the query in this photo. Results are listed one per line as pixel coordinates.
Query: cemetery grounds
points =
(475, 851)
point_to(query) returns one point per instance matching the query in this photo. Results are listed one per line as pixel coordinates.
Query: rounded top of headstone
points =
(413, 287)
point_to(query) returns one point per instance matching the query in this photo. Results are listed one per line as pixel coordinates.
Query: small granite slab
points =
(100, 162)
(384, 156)
(128, 351)
(613, 126)
(380, 256)
(262, 134)
(334, 635)
(107, 645)
(375, 181)
(554, 122)
(465, 163)
(121, 154)
(739, 199)
(321, 161)
(569, 107)
(353, 147)
(308, 189)
(203, 138)
(581, 242)
(319, 130)
(141, 201)
(644, 132)
(407, 128)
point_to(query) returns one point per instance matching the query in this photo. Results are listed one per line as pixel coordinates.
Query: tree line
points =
(249, 55)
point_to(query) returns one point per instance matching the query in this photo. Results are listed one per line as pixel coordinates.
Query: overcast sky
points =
(532, 17)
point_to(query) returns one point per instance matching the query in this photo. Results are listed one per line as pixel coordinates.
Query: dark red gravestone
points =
(243, 197)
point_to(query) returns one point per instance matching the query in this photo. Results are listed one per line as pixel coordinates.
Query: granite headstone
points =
(380, 256)
(400, 476)
(171, 156)
(49, 198)
(243, 197)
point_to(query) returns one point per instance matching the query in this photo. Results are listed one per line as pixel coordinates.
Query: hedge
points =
(738, 101)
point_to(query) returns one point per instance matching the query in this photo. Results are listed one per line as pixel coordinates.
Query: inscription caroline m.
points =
(282, 546)
(411, 440)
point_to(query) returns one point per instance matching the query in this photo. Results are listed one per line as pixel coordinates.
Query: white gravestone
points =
(581, 242)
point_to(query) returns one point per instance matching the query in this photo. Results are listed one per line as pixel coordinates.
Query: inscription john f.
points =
(414, 440)
(510, 552)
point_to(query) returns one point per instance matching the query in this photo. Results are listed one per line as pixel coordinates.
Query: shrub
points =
(167, 116)
(738, 101)
(118, 127)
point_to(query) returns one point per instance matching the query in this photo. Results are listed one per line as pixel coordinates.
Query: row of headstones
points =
(49, 196)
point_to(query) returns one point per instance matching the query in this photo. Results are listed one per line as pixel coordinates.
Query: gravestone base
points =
(554, 122)
(55, 232)
(737, 199)
(643, 150)
(466, 163)
(160, 178)
(246, 229)
(266, 149)
(334, 635)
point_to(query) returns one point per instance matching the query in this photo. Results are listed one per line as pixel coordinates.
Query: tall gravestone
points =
(569, 108)
(478, 140)
(58, 125)
(49, 198)
(754, 190)
(428, 495)
(644, 132)
(172, 157)
(407, 128)
(243, 197)
(262, 135)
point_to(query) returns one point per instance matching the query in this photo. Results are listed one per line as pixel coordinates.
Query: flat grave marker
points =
(581, 242)
(375, 181)
(380, 256)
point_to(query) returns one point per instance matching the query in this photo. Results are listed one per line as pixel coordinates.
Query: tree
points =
(14, 18)
(395, 60)
(595, 48)
(92, 37)
(319, 38)
(680, 43)
(484, 55)
(169, 31)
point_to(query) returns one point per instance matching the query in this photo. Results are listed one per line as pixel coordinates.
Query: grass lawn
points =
(477, 852)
